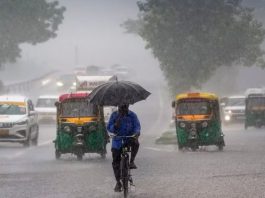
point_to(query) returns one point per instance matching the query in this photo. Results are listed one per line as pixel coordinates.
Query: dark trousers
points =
(116, 156)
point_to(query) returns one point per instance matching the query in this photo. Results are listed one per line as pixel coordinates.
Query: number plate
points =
(4, 132)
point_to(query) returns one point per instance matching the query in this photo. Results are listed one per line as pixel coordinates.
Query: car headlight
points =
(204, 124)
(21, 122)
(59, 84)
(67, 129)
(182, 125)
(227, 118)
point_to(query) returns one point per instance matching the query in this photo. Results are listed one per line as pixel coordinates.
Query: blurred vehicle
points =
(80, 126)
(88, 83)
(255, 110)
(45, 107)
(254, 91)
(18, 120)
(234, 109)
(66, 83)
(108, 110)
(121, 72)
(198, 120)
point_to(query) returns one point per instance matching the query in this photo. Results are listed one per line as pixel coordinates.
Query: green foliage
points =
(192, 38)
(26, 21)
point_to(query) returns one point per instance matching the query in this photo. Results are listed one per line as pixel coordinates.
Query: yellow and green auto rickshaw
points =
(197, 118)
(80, 126)
(255, 110)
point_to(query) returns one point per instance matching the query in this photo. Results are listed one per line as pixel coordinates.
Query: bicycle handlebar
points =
(118, 136)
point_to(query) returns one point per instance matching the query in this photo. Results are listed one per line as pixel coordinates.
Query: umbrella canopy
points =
(116, 93)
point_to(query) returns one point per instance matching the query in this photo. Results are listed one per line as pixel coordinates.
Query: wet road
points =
(238, 171)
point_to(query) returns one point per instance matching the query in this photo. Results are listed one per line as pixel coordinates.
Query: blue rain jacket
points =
(129, 125)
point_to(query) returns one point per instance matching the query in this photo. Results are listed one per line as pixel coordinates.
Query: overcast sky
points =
(90, 35)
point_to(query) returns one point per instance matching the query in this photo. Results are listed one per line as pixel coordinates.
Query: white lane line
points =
(45, 143)
(16, 155)
(23, 152)
(158, 149)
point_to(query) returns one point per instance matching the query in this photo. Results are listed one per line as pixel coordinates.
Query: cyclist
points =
(123, 123)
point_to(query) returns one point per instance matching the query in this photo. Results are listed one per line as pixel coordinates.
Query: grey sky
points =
(90, 34)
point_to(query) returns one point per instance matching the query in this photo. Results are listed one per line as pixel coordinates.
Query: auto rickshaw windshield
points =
(256, 103)
(78, 108)
(193, 107)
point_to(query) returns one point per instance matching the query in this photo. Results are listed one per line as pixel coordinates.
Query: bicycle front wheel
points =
(125, 175)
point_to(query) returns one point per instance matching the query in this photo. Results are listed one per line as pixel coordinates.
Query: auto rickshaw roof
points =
(256, 95)
(73, 96)
(203, 95)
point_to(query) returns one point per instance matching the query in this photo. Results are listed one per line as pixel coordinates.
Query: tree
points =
(192, 38)
(2, 87)
(30, 21)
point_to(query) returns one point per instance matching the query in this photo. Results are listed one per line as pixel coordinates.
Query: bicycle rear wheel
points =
(125, 175)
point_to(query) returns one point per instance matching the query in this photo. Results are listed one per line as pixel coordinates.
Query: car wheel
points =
(220, 147)
(35, 140)
(27, 142)
(103, 155)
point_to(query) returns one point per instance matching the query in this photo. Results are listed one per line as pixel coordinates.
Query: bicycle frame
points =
(124, 165)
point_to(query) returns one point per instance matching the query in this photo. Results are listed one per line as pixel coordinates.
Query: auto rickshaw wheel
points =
(258, 124)
(246, 126)
(193, 148)
(79, 156)
(193, 145)
(57, 154)
(103, 155)
(220, 147)
(79, 153)
(180, 147)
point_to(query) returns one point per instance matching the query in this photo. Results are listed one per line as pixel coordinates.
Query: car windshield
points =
(46, 102)
(235, 102)
(12, 109)
(78, 108)
(193, 107)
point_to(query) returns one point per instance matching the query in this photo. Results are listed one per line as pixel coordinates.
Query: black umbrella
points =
(116, 93)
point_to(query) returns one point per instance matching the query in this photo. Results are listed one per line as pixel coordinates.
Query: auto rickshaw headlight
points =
(204, 124)
(182, 125)
(92, 128)
(67, 129)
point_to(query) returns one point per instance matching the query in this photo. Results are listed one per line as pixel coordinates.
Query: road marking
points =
(17, 154)
(45, 143)
(23, 152)
(158, 149)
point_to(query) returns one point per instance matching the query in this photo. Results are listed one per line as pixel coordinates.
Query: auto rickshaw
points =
(255, 110)
(197, 120)
(80, 126)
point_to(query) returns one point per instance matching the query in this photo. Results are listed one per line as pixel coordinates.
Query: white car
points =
(18, 120)
(45, 108)
(234, 109)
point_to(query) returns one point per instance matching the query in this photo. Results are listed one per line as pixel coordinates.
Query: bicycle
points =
(126, 176)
